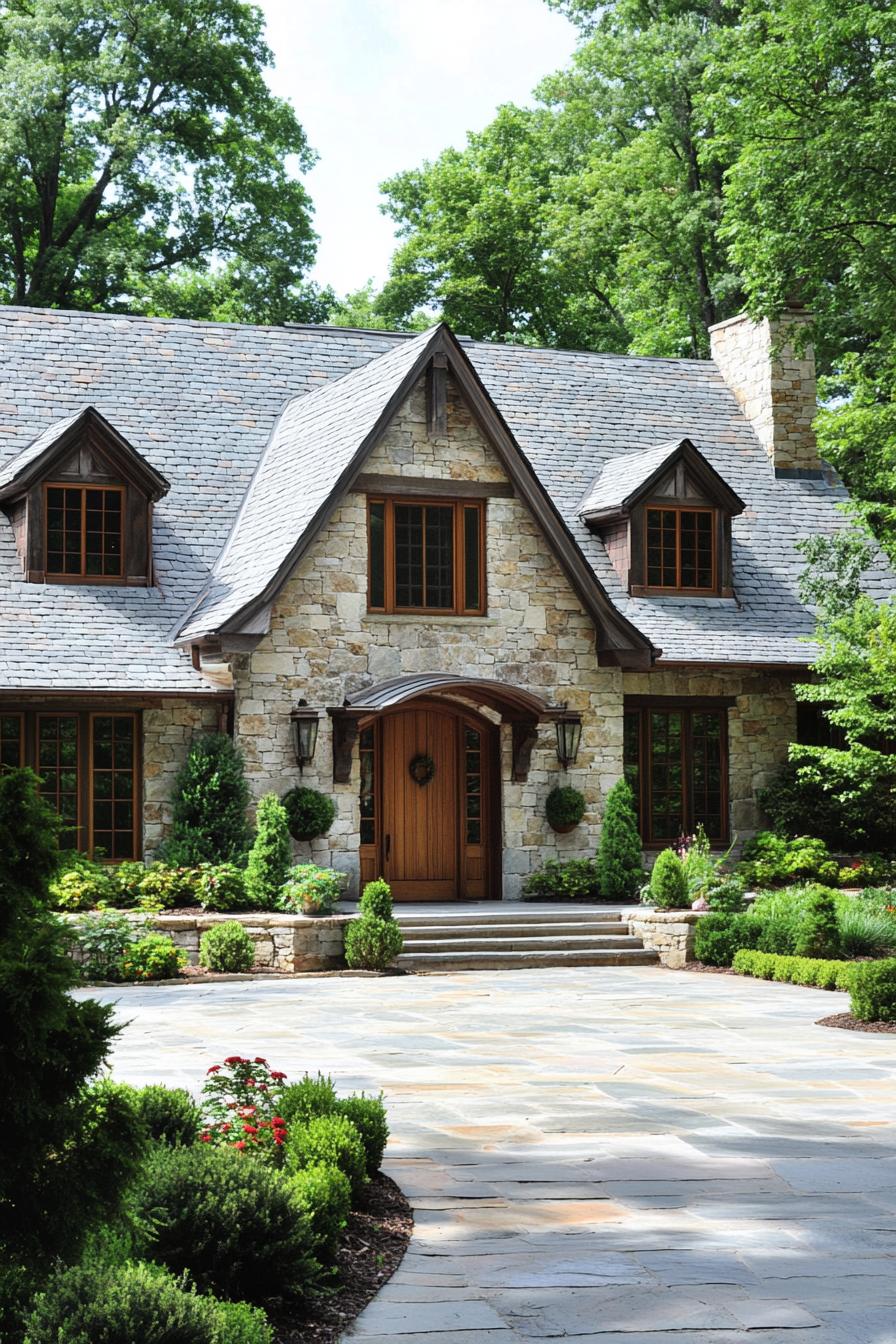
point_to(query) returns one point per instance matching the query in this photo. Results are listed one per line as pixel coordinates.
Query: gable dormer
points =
(664, 515)
(80, 499)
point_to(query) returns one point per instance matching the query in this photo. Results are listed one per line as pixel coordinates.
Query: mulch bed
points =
(846, 1022)
(371, 1250)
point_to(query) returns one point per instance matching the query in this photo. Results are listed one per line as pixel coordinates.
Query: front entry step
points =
(516, 939)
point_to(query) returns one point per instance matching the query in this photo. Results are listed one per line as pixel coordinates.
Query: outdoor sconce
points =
(569, 735)
(304, 733)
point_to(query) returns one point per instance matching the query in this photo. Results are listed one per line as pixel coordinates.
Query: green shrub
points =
(226, 947)
(368, 1115)
(818, 973)
(789, 800)
(620, 866)
(227, 1220)
(718, 936)
(153, 957)
(164, 887)
(376, 900)
(309, 813)
(668, 888)
(127, 878)
(771, 860)
(818, 935)
(81, 884)
(572, 879)
(169, 1113)
(53, 1188)
(780, 915)
(311, 890)
(307, 1099)
(222, 887)
(564, 807)
(270, 856)
(333, 1141)
(137, 1304)
(210, 800)
(865, 930)
(372, 944)
(701, 870)
(324, 1195)
(874, 991)
(725, 893)
(102, 940)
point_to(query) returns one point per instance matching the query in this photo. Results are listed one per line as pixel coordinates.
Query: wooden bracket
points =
(525, 735)
(345, 735)
(437, 395)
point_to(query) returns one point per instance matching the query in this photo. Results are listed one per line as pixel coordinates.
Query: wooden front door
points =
(434, 834)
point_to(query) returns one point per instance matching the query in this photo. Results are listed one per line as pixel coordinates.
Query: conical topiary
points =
(271, 853)
(668, 883)
(210, 800)
(819, 933)
(620, 868)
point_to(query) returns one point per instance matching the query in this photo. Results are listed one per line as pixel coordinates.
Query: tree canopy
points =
(146, 166)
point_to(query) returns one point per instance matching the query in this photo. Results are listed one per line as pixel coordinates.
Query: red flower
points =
(205, 1138)
(235, 1059)
(215, 1068)
(262, 1087)
(250, 1129)
(279, 1136)
(278, 1076)
(226, 1128)
(258, 1060)
(278, 1122)
(264, 1124)
(240, 1143)
(231, 1105)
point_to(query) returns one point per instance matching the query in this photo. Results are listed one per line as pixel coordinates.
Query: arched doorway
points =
(430, 803)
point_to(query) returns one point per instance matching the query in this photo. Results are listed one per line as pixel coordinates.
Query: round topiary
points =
(226, 947)
(372, 944)
(306, 1099)
(376, 899)
(309, 813)
(332, 1140)
(873, 991)
(564, 808)
(324, 1195)
(169, 1113)
(368, 1115)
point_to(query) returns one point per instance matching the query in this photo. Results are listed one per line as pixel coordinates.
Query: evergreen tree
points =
(669, 883)
(819, 934)
(620, 868)
(69, 1148)
(210, 801)
(271, 853)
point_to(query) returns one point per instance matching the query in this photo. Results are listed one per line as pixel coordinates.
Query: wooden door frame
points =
(491, 785)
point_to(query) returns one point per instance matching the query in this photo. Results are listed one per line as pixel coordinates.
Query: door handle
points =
(388, 846)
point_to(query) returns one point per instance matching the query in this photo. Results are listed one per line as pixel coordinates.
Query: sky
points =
(381, 85)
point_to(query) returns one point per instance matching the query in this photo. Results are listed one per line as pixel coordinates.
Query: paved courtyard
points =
(627, 1155)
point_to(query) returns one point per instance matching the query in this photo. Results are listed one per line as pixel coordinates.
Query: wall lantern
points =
(304, 733)
(569, 735)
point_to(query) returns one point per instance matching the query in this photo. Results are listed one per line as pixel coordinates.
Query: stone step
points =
(562, 943)
(520, 961)
(436, 932)
(515, 915)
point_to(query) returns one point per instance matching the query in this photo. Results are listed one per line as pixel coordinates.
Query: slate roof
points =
(45, 440)
(621, 476)
(200, 402)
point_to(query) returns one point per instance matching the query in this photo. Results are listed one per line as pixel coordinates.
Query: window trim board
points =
(459, 505)
(644, 706)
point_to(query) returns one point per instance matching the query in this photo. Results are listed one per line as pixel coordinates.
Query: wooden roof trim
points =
(122, 454)
(717, 488)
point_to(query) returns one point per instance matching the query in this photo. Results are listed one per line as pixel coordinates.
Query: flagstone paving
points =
(625, 1156)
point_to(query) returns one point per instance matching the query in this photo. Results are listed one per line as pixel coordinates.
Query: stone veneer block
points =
(669, 933)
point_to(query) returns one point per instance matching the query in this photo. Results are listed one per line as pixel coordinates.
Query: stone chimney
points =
(774, 386)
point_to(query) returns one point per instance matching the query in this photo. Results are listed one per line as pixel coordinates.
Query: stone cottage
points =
(429, 576)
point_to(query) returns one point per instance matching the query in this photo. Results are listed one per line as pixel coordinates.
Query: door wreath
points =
(422, 768)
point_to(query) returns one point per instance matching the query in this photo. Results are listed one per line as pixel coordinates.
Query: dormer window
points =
(84, 531)
(80, 499)
(664, 516)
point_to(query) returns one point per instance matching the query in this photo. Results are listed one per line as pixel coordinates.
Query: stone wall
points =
(773, 383)
(761, 724)
(324, 644)
(669, 933)
(167, 734)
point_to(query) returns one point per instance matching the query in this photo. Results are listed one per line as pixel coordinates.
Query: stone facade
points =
(774, 384)
(167, 734)
(669, 933)
(761, 724)
(324, 644)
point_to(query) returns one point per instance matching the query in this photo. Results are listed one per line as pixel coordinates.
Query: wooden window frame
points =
(135, 792)
(644, 707)
(678, 510)
(30, 717)
(459, 507)
(83, 577)
(15, 714)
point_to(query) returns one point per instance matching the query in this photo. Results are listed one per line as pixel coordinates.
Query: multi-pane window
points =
(87, 766)
(473, 785)
(680, 549)
(12, 740)
(367, 748)
(426, 556)
(84, 531)
(676, 761)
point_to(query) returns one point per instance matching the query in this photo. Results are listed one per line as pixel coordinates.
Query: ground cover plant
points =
(563, 880)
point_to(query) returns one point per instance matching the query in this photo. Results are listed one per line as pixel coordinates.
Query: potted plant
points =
(564, 809)
(309, 813)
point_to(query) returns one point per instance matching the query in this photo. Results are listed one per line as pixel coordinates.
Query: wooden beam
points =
(371, 484)
(524, 736)
(437, 395)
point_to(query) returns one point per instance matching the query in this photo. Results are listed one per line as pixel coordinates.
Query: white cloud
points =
(379, 85)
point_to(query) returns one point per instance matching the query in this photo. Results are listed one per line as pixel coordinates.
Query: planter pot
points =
(564, 829)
